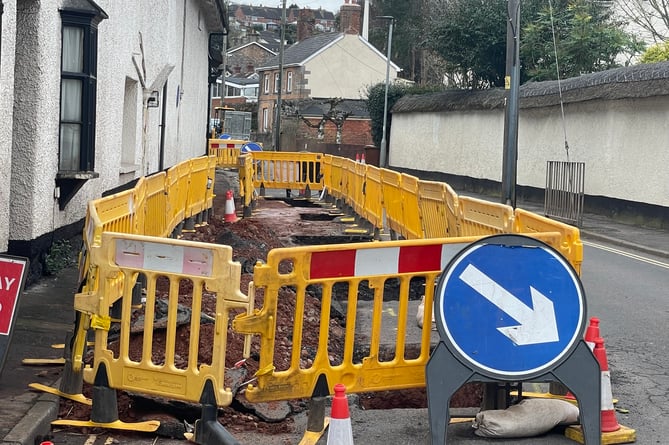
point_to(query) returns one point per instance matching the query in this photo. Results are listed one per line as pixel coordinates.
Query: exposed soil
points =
(251, 239)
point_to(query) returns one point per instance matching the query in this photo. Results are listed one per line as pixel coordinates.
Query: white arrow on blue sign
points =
(510, 309)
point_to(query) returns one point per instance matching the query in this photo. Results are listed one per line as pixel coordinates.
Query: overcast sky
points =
(329, 5)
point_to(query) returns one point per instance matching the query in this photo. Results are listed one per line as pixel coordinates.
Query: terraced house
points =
(95, 94)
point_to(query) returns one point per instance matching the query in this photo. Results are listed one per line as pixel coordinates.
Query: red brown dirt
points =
(251, 240)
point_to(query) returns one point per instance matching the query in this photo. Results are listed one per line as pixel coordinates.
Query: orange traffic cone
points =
(592, 333)
(362, 158)
(339, 431)
(357, 157)
(609, 421)
(230, 214)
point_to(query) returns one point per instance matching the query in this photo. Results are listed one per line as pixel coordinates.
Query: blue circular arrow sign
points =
(511, 306)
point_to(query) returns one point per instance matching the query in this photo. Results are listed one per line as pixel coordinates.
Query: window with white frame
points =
(276, 82)
(265, 119)
(266, 89)
(289, 82)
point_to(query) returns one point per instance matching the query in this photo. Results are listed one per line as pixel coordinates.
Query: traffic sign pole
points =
(510, 308)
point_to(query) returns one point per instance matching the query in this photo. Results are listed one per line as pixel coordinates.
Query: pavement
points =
(45, 316)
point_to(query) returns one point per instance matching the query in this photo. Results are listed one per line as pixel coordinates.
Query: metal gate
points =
(565, 185)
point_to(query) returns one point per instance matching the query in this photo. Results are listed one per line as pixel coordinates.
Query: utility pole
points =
(512, 85)
(384, 143)
(277, 122)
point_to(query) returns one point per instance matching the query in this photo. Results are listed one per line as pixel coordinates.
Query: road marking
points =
(627, 254)
(91, 439)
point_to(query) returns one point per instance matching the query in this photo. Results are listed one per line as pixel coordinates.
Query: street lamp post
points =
(384, 143)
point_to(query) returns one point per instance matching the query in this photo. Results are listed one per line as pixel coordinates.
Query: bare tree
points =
(337, 117)
(651, 16)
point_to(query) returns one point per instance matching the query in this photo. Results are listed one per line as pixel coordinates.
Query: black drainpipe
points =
(161, 161)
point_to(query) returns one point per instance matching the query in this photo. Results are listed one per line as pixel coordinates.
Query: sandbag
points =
(530, 417)
(420, 314)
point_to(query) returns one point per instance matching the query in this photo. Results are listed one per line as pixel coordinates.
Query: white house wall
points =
(622, 142)
(328, 73)
(173, 34)
(6, 106)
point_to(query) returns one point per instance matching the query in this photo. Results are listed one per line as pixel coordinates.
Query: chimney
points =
(305, 24)
(350, 17)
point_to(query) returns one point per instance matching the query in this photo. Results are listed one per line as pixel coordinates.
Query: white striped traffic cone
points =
(609, 421)
(339, 431)
(230, 214)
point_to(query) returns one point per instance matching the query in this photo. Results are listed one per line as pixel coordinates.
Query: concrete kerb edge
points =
(36, 422)
(622, 243)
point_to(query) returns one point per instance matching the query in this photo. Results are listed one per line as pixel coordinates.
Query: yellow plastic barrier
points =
(358, 177)
(200, 185)
(570, 244)
(335, 184)
(373, 211)
(391, 184)
(206, 266)
(287, 170)
(479, 217)
(412, 227)
(348, 181)
(226, 151)
(154, 205)
(177, 192)
(323, 268)
(438, 208)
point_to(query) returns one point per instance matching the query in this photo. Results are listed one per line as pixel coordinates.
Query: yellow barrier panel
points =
(358, 176)
(287, 170)
(177, 192)
(373, 211)
(570, 244)
(322, 268)
(335, 185)
(479, 217)
(412, 227)
(117, 212)
(347, 181)
(391, 184)
(155, 216)
(226, 151)
(200, 185)
(212, 274)
(439, 213)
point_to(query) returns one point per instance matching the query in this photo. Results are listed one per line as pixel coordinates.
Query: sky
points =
(329, 5)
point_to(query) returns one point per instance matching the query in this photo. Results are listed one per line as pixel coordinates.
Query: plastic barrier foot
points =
(208, 430)
(148, 427)
(79, 398)
(622, 435)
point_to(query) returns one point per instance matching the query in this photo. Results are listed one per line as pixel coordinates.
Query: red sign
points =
(12, 272)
